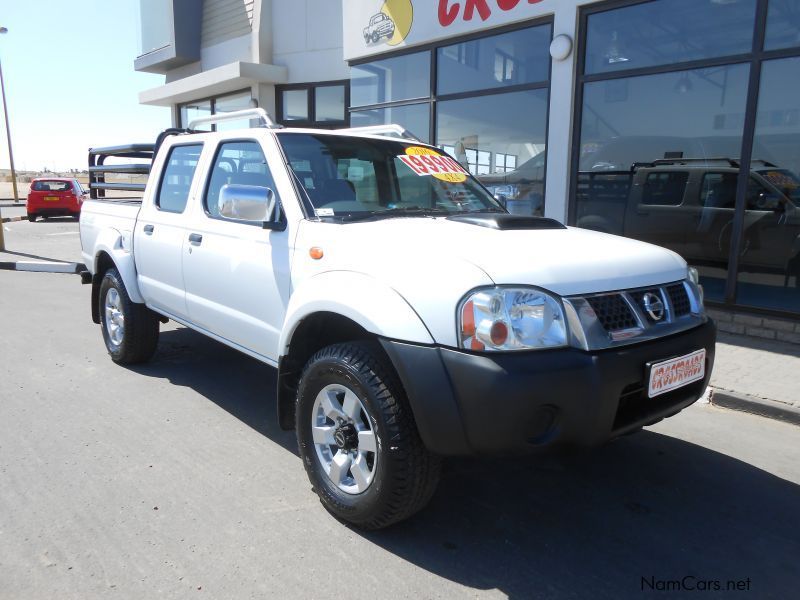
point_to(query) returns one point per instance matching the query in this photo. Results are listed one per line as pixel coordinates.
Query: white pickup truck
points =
(410, 317)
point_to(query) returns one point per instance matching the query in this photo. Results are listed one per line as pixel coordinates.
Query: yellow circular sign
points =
(401, 12)
(455, 176)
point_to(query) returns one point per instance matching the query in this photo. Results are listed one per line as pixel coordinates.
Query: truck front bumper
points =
(467, 403)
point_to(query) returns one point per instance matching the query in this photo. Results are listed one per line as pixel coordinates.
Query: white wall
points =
(307, 39)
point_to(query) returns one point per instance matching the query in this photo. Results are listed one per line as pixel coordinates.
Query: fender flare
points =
(117, 245)
(370, 303)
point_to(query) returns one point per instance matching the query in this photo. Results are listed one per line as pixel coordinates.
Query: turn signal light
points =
(316, 253)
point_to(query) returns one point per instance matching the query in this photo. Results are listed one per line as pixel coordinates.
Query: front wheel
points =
(32, 218)
(358, 439)
(130, 330)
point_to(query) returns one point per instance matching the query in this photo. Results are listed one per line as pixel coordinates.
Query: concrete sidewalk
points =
(757, 376)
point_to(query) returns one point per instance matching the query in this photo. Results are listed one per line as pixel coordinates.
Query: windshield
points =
(353, 178)
(783, 179)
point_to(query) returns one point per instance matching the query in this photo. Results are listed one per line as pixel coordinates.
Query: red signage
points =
(449, 11)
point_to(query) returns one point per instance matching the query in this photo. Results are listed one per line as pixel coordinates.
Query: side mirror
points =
(252, 203)
(768, 202)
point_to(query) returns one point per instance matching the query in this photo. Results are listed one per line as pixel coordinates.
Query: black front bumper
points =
(468, 403)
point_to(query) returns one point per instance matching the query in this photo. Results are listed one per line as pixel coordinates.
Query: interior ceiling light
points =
(684, 84)
(614, 55)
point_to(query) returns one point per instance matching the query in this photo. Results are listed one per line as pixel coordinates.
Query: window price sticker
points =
(427, 162)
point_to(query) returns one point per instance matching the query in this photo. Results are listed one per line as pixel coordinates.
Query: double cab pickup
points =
(410, 317)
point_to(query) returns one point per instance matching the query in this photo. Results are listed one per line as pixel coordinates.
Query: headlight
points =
(694, 280)
(511, 319)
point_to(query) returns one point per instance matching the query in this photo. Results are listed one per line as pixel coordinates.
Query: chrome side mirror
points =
(253, 203)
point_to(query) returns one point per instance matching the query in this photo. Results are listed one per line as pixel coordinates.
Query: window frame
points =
(213, 103)
(311, 88)
(206, 184)
(433, 47)
(156, 203)
(755, 60)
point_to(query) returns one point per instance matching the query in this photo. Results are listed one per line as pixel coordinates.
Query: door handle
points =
(195, 238)
(148, 229)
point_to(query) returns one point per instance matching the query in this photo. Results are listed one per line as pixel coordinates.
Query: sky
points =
(70, 83)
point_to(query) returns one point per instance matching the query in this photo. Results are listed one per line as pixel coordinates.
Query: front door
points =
(237, 274)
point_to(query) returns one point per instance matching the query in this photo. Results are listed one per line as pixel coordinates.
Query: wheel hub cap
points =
(344, 439)
(114, 317)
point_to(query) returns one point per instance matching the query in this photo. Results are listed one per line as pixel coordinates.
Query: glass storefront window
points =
(295, 105)
(391, 79)
(230, 104)
(195, 110)
(414, 117)
(769, 257)
(155, 32)
(668, 31)
(783, 24)
(512, 58)
(648, 147)
(329, 103)
(501, 138)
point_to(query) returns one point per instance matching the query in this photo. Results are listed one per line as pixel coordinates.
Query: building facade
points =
(671, 121)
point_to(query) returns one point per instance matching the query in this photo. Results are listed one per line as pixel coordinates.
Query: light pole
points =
(4, 30)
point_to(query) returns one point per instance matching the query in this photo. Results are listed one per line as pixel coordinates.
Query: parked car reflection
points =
(520, 190)
(688, 206)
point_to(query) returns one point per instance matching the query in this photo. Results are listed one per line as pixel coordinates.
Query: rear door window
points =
(176, 180)
(664, 189)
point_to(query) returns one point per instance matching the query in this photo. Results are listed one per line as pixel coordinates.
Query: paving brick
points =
(748, 320)
(730, 327)
(768, 334)
(720, 316)
(779, 324)
(785, 336)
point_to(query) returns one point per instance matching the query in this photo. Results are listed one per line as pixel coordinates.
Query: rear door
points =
(160, 232)
(658, 213)
(237, 274)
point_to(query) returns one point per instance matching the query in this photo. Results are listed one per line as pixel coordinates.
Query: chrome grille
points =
(610, 319)
(638, 297)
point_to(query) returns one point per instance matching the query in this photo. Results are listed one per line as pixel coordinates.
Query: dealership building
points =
(634, 118)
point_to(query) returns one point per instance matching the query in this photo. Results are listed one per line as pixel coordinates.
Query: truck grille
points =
(680, 299)
(625, 310)
(613, 312)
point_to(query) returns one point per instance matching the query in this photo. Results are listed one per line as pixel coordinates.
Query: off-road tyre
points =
(406, 474)
(140, 332)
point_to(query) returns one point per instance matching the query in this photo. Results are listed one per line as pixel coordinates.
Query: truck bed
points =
(98, 215)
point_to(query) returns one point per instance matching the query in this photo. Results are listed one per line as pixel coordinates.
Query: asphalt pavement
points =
(173, 480)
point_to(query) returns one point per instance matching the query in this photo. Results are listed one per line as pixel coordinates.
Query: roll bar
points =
(391, 130)
(248, 113)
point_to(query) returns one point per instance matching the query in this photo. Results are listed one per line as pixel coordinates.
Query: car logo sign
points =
(653, 306)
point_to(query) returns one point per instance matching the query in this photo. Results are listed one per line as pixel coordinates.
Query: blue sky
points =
(70, 83)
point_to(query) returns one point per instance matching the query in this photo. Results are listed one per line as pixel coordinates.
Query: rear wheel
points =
(31, 218)
(358, 439)
(130, 330)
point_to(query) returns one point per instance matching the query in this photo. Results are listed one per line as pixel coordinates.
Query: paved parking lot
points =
(173, 480)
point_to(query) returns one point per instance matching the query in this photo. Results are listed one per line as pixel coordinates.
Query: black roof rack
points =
(735, 163)
(98, 169)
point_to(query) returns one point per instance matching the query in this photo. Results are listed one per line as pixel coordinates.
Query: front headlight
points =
(515, 318)
(693, 276)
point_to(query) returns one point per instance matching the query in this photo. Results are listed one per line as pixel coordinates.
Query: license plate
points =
(51, 198)
(674, 373)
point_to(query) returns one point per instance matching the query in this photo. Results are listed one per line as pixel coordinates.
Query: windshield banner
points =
(424, 162)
